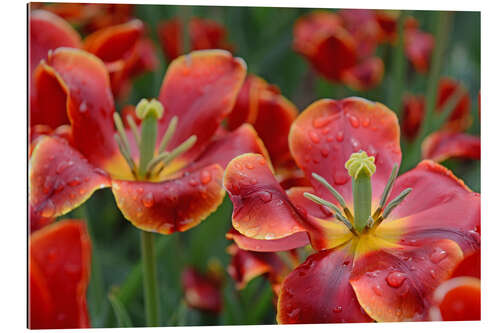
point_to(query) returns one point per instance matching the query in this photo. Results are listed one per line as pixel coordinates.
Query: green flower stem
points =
(443, 25)
(148, 141)
(150, 282)
(362, 193)
(398, 69)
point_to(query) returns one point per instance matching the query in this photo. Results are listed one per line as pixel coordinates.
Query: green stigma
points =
(360, 162)
(145, 108)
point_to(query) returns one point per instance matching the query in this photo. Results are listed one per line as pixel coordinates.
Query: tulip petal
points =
(413, 113)
(89, 105)
(262, 209)
(200, 89)
(59, 272)
(115, 43)
(207, 34)
(60, 178)
(246, 265)
(449, 211)
(440, 146)
(325, 135)
(460, 118)
(418, 48)
(364, 75)
(173, 205)
(457, 299)
(397, 284)
(318, 291)
(200, 292)
(470, 266)
(296, 240)
(325, 232)
(226, 146)
(170, 35)
(321, 38)
(262, 105)
(47, 32)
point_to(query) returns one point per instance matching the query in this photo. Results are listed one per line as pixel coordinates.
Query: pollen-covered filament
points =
(151, 163)
(360, 167)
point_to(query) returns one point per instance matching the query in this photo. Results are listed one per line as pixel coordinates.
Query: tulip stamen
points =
(167, 157)
(391, 205)
(135, 130)
(172, 126)
(338, 214)
(126, 155)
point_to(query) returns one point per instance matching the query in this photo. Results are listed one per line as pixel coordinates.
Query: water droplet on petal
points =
(395, 279)
(83, 107)
(340, 136)
(262, 161)
(193, 182)
(377, 290)
(338, 309)
(75, 181)
(253, 181)
(249, 166)
(324, 151)
(366, 122)
(205, 177)
(354, 121)
(321, 122)
(265, 196)
(49, 209)
(269, 236)
(438, 255)
(293, 314)
(314, 137)
(433, 273)
(148, 200)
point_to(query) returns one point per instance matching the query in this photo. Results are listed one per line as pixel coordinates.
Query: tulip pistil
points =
(361, 167)
(149, 164)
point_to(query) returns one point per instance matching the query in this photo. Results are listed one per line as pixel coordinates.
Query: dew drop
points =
(355, 144)
(75, 181)
(61, 167)
(49, 209)
(253, 181)
(269, 236)
(340, 136)
(83, 107)
(293, 314)
(249, 166)
(314, 137)
(433, 273)
(205, 177)
(321, 122)
(148, 200)
(338, 309)
(377, 290)
(366, 122)
(329, 138)
(438, 255)
(262, 161)
(395, 279)
(193, 182)
(265, 196)
(354, 121)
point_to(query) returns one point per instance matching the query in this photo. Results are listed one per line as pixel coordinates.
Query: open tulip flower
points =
(337, 50)
(204, 34)
(202, 291)
(59, 272)
(166, 174)
(123, 48)
(384, 243)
